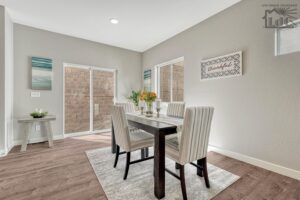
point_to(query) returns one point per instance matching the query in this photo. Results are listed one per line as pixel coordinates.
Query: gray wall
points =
(34, 42)
(257, 114)
(2, 80)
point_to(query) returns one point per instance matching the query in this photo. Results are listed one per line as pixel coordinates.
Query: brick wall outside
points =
(77, 99)
(178, 83)
(165, 73)
(103, 90)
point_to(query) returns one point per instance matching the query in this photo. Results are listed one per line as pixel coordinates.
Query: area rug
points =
(139, 183)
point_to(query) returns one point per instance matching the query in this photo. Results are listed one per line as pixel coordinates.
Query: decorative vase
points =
(149, 111)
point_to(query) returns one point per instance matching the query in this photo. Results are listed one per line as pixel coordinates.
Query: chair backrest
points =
(176, 109)
(120, 125)
(128, 106)
(195, 134)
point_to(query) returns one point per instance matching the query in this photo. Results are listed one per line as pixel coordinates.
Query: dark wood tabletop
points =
(150, 125)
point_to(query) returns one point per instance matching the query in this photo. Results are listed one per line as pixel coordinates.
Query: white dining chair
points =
(176, 109)
(128, 106)
(192, 145)
(127, 140)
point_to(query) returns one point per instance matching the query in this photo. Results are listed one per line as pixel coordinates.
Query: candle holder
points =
(157, 110)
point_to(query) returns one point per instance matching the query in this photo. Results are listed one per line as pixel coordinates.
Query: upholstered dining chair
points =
(176, 109)
(192, 145)
(127, 140)
(128, 106)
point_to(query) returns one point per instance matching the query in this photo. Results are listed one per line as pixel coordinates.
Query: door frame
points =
(90, 68)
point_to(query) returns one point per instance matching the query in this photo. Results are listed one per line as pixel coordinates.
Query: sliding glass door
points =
(88, 95)
(77, 100)
(103, 97)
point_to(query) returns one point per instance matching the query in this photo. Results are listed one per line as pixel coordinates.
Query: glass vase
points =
(149, 111)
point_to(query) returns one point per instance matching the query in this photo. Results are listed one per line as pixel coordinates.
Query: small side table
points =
(28, 124)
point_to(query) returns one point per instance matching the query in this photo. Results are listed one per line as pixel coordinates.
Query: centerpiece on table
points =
(38, 113)
(149, 98)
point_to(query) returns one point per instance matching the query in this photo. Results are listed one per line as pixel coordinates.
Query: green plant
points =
(134, 97)
(38, 114)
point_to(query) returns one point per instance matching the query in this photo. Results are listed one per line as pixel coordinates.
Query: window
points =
(287, 40)
(170, 81)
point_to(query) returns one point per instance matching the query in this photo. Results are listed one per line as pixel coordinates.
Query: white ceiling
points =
(142, 23)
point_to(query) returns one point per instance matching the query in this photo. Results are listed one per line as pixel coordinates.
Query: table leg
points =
(159, 165)
(113, 139)
(147, 152)
(27, 130)
(49, 133)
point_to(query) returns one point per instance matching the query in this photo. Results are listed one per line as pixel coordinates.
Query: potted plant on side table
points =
(38, 113)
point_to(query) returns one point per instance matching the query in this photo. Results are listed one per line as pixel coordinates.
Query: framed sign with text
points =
(222, 67)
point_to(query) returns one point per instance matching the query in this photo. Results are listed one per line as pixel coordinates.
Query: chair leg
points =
(177, 166)
(117, 155)
(147, 152)
(182, 181)
(142, 153)
(204, 162)
(200, 171)
(127, 165)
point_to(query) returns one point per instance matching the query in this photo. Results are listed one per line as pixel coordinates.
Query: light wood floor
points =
(64, 172)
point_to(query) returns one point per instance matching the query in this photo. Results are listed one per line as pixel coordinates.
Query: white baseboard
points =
(10, 148)
(257, 162)
(2, 153)
(253, 161)
(40, 139)
(86, 133)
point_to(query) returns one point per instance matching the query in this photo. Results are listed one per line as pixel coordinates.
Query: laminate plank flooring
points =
(64, 172)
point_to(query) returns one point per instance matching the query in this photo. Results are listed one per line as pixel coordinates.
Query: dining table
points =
(159, 127)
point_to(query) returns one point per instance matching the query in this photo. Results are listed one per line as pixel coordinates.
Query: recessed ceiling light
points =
(114, 21)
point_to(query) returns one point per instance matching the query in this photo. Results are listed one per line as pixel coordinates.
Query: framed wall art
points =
(147, 79)
(229, 65)
(41, 73)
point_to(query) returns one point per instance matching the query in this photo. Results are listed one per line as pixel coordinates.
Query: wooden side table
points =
(28, 124)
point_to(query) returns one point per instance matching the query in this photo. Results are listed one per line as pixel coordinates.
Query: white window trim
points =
(276, 37)
(157, 76)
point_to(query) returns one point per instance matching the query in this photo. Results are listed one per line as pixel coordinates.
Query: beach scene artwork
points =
(41, 73)
(147, 80)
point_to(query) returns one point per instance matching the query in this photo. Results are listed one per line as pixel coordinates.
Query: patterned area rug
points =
(139, 183)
